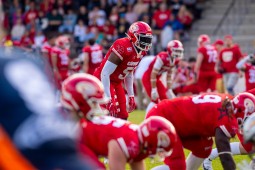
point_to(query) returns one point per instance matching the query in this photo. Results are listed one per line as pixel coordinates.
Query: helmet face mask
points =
(144, 42)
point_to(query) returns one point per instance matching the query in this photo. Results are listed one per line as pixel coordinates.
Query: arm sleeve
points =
(129, 84)
(241, 63)
(108, 69)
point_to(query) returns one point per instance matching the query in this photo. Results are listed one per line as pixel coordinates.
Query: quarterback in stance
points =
(199, 118)
(119, 140)
(164, 62)
(119, 64)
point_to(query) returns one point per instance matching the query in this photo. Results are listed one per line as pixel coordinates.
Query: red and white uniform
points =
(126, 51)
(97, 134)
(207, 76)
(249, 76)
(62, 64)
(195, 119)
(95, 54)
(163, 66)
(229, 57)
(46, 49)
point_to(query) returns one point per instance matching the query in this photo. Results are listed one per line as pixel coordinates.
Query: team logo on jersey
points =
(129, 49)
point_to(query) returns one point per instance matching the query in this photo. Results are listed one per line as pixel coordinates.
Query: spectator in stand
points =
(18, 30)
(186, 18)
(97, 15)
(160, 16)
(114, 15)
(26, 42)
(92, 56)
(14, 7)
(130, 15)
(247, 65)
(31, 14)
(79, 31)
(55, 20)
(122, 8)
(39, 39)
(176, 25)
(175, 6)
(109, 30)
(226, 64)
(166, 35)
(122, 26)
(17, 15)
(219, 45)
(46, 6)
(83, 15)
(69, 21)
(42, 21)
(205, 64)
(141, 8)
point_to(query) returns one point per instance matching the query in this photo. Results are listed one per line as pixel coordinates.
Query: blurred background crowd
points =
(27, 23)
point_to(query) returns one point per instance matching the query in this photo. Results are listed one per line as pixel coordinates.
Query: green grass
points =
(138, 116)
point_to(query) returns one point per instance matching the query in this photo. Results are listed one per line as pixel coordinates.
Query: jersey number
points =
(212, 56)
(206, 99)
(108, 120)
(96, 57)
(125, 72)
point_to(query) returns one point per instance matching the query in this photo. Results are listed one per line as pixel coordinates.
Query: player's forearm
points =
(128, 81)
(241, 63)
(153, 78)
(169, 80)
(225, 154)
(108, 69)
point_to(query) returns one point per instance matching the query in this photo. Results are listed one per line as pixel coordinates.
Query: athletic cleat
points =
(207, 164)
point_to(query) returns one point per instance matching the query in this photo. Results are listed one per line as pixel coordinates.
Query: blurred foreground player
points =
(29, 118)
(117, 139)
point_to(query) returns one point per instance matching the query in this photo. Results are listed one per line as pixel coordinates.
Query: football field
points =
(138, 115)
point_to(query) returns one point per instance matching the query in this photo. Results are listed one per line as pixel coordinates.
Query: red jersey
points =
(95, 54)
(126, 51)
(97, 134)
(46, 48)
(161, 17)
(229, 58)
(63, 58)
(197, 115)
(209, 58)
(30, 15)
(164, 64)
(249, 76)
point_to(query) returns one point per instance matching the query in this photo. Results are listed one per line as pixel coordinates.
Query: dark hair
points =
(91, 41)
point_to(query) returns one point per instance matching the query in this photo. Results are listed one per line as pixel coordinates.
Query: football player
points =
(60, 59)
(226, 63)
(117, 139)
(118, 66)
(205, 64)
(92, 55)
(199, 118)
(164, 62)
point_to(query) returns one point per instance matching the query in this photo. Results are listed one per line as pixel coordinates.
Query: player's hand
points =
(170, 94)
(111, 108)
(154, 94)
(131, 104)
